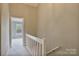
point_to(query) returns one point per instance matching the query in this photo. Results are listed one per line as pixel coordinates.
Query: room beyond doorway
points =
(17, 25)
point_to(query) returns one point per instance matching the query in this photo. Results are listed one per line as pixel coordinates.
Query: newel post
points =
(43, 47)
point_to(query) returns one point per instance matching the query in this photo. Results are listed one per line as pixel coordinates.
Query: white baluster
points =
(34, 48)
(43, 47)
(37, 49)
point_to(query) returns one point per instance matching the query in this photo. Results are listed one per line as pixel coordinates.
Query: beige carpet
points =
(18, 48)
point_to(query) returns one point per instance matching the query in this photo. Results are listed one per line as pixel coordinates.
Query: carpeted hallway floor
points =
(18, 48)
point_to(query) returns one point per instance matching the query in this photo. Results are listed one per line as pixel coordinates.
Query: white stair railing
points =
(35, 45)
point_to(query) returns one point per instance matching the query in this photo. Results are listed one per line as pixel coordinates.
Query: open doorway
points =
(17, 38)
(17, 31)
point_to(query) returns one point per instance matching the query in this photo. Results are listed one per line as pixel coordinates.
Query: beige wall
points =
(4, 29)
(58, 23)
(0, 29)
(28, 13)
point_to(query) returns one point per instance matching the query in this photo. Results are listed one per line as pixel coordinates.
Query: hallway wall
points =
(4, 29)
(0, 29)
(28, 13)
(58, 23)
